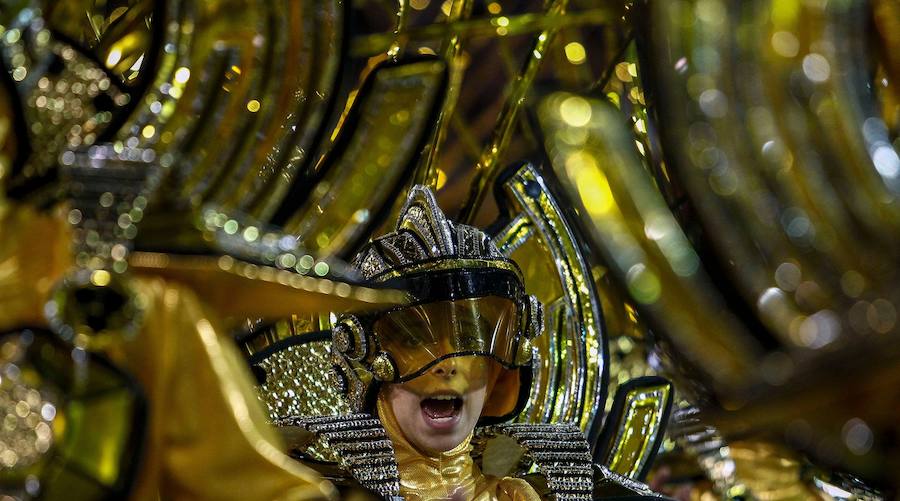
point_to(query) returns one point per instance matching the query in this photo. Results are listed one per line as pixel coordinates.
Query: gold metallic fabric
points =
(453, 474)
(34, 253)
(208, 436)
(208, 439)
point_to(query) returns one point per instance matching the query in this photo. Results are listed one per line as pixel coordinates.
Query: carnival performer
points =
(427, 381)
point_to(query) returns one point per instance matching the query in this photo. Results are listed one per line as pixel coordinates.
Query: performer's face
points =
(438, 409)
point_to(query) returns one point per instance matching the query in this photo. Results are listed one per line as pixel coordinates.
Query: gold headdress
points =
(469, 300)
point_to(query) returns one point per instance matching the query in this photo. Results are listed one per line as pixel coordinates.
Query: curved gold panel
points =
(377, 146)
(541, 240)
(236, 74)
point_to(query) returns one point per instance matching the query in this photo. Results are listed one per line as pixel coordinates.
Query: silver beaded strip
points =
(364, 449)
(605, 476)
(560, 452)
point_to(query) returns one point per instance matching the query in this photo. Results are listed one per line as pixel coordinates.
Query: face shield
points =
(472, 313)
(418, 337)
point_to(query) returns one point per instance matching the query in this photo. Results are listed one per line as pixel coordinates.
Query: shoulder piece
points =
(559, 451)
(561, 454)
(362, 446)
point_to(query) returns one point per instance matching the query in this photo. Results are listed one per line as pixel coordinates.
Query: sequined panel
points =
(559, 451)
(417, 221)
(410, 247)
(372, 264)
(424, 232)
(362, 445)
(297, 384)
(28, 412)
(68, 99)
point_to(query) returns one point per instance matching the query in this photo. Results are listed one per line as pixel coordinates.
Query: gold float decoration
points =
(743, 247)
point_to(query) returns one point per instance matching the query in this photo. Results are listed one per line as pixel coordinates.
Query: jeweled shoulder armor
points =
(558, 451)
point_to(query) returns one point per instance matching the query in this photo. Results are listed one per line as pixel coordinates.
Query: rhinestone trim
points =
(362, 446)
(559, 451)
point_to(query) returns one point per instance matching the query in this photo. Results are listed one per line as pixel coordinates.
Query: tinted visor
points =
(418, 337)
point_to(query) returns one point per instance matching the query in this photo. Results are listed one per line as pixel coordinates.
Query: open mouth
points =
(441, 411)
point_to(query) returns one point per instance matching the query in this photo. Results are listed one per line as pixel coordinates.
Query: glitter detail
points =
(361, 445)
(383, 367)
(294, 386)
(26, 433)
(68, 98)
(559, 451)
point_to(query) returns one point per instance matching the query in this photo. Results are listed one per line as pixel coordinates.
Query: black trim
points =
(299, 339)
(604, 442)
(425, 135)
(457, 283)
(20, 126)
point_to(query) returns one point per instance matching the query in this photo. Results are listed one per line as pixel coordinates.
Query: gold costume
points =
(451, 475)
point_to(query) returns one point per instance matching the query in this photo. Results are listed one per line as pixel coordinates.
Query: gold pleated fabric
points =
(449, 475)
(34, 254)
(208, 437)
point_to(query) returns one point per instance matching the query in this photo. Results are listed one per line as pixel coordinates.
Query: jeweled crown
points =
(422, 233)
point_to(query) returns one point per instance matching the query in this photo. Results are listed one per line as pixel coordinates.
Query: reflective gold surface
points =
(796, 201)
(34, 253)
(186, 457)
(391, 115)
(228, 283)
(640, 429)
(594, 158)
(572, 320)
(183, 455)
(741, 198)
(117, 31)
